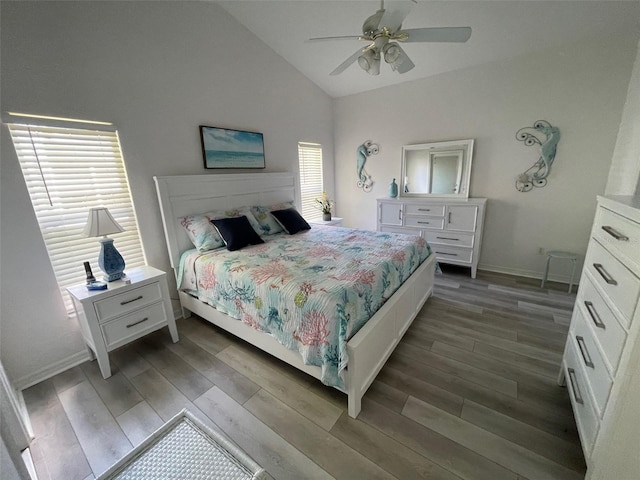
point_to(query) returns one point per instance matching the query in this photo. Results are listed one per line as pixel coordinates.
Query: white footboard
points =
(370, 348)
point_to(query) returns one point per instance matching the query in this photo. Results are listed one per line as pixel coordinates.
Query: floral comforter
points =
(312, 291)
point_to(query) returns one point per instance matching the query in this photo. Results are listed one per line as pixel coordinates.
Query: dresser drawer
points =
(610, 335)
(595, 371)
(451, 254)
(618, 234)
(620, 286)
(433, 210)
(450, 238)
(403, 230)
(586, 417)
(124, 329)
(424, 222)
(127, 301)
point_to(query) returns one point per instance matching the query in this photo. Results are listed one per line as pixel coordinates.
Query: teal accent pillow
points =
(237, 232)
(203, 234)
(291, 220)
(268, 224)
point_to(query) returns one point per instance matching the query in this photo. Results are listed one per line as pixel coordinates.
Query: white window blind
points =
(310, 164)
(68, 171)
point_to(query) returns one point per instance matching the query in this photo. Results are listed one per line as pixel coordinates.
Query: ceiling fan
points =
(383, 31)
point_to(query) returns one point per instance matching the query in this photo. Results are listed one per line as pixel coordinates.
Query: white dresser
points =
(605, 323)
(452, 228)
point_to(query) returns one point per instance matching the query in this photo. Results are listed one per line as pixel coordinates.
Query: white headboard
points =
(191, 194)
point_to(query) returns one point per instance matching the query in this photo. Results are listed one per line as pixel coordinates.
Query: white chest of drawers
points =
(606, 321)
(452, 228)
(124, 312)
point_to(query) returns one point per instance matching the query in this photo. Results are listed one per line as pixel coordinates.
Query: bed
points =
(367, 350)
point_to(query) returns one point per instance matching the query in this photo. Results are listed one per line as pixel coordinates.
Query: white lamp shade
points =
(100, 223)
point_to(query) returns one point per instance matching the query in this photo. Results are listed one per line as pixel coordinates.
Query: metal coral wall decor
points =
(368, 148)
(547, 137)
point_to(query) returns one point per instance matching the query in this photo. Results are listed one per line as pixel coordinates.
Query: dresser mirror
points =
(437, 169)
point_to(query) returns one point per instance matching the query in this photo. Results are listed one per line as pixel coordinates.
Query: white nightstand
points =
(334, 222)
(114, 317)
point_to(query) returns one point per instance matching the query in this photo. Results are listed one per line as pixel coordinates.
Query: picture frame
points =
(228, 148)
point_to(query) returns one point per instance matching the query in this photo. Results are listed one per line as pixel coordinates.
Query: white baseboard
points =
(51, 370)
(528, 273)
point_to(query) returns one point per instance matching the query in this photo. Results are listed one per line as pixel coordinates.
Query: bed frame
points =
(368, 350)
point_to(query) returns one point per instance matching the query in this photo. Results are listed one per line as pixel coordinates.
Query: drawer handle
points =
(138, 322)
(446, 253)
(424, 223)
(583, 351)
(594, 314)
(574, 386)
(603, 273)
(139, 297)
(448, 238)
(449, 218)
(424, 209)
(615, 234)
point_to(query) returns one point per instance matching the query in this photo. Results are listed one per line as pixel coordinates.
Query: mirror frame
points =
(435, 147)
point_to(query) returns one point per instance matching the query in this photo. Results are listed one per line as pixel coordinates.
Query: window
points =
(310, 163)
(68, 171)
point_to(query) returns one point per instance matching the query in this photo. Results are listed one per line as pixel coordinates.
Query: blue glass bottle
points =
(393, 189)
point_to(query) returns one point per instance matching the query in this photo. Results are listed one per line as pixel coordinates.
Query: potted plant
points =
(324, 204)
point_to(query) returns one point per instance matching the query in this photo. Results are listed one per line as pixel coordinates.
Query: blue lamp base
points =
(110, 261)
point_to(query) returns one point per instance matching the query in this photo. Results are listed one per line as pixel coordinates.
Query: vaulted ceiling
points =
(501, 30)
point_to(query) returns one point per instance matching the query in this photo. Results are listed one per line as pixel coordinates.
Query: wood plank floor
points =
(470, 393)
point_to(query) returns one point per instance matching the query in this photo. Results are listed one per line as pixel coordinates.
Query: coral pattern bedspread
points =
(312, 291)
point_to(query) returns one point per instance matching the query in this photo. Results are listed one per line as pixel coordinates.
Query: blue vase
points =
(393, 189)
(110, 260)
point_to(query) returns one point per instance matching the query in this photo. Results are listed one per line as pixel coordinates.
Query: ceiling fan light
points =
(392, 53)
(369, 61)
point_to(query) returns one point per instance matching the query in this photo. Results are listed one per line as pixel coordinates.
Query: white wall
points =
(624, 176)
(579, 88)
(156, 70)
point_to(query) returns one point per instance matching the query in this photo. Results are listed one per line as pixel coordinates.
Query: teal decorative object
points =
(536, 175)
(393, 189)
(365, 150)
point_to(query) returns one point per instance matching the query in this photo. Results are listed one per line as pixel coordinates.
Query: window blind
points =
(68, 171)
(311, 187)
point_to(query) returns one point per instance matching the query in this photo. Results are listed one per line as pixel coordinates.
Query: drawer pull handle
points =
(447, 253)
(139, 297)
(424, 223)
(615, 234)
(574, 386)
(594, 314)
(603, 273)
(448, 238)
(449, 218)
(583, 351)
(424, 209)
(138, 322)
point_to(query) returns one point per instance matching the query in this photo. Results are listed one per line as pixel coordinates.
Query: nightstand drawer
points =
(424, 222)
(586, 417)
(127, 301)
(619, 284)
(610, 335)
(450, 238)
(433, 210)
(591, 360)
(124, 329)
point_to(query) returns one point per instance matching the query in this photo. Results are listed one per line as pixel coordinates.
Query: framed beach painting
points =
(225, 148)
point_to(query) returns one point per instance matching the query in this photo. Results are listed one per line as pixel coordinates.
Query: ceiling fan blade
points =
(343, 66)
(393, 18)
(438, 34)
(371, 24)
(338, 37)
(405, 65)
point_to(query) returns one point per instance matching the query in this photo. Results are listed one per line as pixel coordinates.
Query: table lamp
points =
(100, 223)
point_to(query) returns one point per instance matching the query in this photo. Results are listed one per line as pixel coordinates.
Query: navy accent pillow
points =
(291, 220)
(236, 232)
